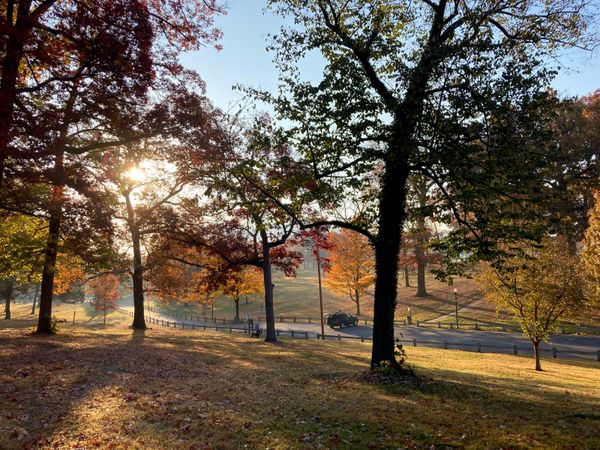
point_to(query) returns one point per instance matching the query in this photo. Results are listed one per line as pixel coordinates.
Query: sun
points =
(136, 174)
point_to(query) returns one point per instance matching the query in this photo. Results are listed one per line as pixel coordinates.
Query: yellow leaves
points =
(591, 251)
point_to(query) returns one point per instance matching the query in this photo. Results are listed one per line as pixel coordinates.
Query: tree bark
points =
(17, 36)
(420, 257)
(139, 321)
(536, 352)
(50, 253)
(8, 293)
(271, 336)
(357, 301)
(420, 251)
(237, 308)
(391, 219)
(406, 271)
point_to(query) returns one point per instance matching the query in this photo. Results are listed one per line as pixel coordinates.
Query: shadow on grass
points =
(156, 389)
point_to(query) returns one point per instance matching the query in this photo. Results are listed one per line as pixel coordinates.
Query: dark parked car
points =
(341, 319)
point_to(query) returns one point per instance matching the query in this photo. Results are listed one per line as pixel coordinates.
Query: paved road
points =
(567, 346)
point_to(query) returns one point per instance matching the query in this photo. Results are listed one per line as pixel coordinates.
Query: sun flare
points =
(136, 174)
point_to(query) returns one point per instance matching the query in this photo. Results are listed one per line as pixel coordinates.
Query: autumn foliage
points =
(105, 290)
(352, 266)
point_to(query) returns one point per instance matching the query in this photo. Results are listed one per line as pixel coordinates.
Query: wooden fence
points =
(295, 334)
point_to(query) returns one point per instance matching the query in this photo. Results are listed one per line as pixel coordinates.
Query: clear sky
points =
(245, 60)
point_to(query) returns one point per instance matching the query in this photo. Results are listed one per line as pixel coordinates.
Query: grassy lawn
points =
(97, 387)
(84, 314)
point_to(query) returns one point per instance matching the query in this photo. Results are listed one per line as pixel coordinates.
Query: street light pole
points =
(456, 305)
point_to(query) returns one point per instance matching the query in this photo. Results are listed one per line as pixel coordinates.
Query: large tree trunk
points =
(45, 309)
(13, 55)
(536, 353)
(271, 336)
(8, 293)
(55, 211)
(391, 219)
(139, 321)
(357, 301)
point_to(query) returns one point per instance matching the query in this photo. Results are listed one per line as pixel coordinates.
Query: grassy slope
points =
(111, 388)
(299, 297)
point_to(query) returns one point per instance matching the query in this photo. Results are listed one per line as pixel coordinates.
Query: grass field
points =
(299, 297)
(108, 387)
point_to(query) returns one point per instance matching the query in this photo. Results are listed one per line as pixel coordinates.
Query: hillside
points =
(96, 387)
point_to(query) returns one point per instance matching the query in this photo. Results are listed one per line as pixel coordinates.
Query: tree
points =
(245, 282)
(243, 176)
(39, 38)
(352, 266)
(105, 290)
(21, 243)
(414, 87)
(542, 286)
(591, 250)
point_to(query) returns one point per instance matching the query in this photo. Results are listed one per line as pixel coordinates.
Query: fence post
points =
(204, 327)
(439, 324)
(339, 337)
(306, 335)
(554, 352)
(515, 349)
(362, 339)
(183, 325)
(294, 319)
(478, 347)
(319, 337)
(445, 345)
(74, 316)
(414, 342)
(293, 331)
(193, 326)
(309, 320)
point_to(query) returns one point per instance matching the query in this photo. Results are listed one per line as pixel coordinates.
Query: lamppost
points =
(456, 305)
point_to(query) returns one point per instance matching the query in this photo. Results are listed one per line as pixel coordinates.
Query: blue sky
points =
(244, 59)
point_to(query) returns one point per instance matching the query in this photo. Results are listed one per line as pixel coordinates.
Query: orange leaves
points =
(70, 274)
(352, 265)
(105, 290)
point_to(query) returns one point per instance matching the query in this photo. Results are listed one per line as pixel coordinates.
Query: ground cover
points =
(109, 387)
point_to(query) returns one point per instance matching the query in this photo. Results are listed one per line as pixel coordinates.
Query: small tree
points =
(245, 282)
(352, 266)
(105, 290)
(542, 285)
